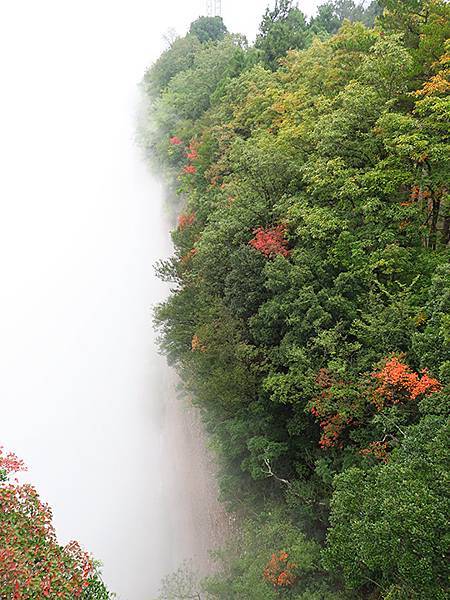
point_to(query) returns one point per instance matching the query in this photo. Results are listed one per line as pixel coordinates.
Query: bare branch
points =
(269, 472)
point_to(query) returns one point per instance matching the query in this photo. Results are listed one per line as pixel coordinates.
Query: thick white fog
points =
(81, 223)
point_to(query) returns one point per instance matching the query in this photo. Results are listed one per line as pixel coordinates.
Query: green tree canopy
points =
(283, 28)
(208, 29)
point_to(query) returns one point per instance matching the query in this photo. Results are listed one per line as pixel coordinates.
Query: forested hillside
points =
(310, 306)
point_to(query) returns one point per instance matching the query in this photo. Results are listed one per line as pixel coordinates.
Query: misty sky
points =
(81, 224)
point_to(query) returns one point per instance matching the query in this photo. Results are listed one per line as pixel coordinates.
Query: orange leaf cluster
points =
(197, 345)
(417, 192)
(439, 83)
(187, 257)
(279, 572)
(396, 383)
(378, 450)
(332, 427)
(192, 152)
(185, 220)
(399, 383)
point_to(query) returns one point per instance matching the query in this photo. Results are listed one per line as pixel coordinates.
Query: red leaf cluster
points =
(332, 428)
(190, 169)
(270, 241)
(175, 141)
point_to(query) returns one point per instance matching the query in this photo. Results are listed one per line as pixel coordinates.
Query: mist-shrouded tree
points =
(208, 29)
(183, 584)
(326, 20)
(170, 36)
(358, 10)
(283, 28)
(332, 14)
(177, 58)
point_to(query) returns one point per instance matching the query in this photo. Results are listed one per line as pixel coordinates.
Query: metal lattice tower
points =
(214, 8)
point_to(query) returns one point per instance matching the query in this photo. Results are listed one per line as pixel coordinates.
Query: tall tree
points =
(332, 14)
(208, 29)
(283, 28)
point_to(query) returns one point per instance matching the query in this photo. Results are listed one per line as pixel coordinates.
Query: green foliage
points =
(283, 28)
(388, 522)
(178, 58)
(425, 25)
(208, 29)
(308, 363)
(97, 590)
(331, 15)
(432, 340)
(242, 563)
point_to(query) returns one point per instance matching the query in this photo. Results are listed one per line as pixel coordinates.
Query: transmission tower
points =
(214, 8)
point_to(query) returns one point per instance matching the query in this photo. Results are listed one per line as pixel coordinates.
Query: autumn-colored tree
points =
(33, 565)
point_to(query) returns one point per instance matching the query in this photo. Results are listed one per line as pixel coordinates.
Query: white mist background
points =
(81, 224)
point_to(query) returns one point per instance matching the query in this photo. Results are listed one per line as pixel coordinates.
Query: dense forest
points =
(310, 307)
